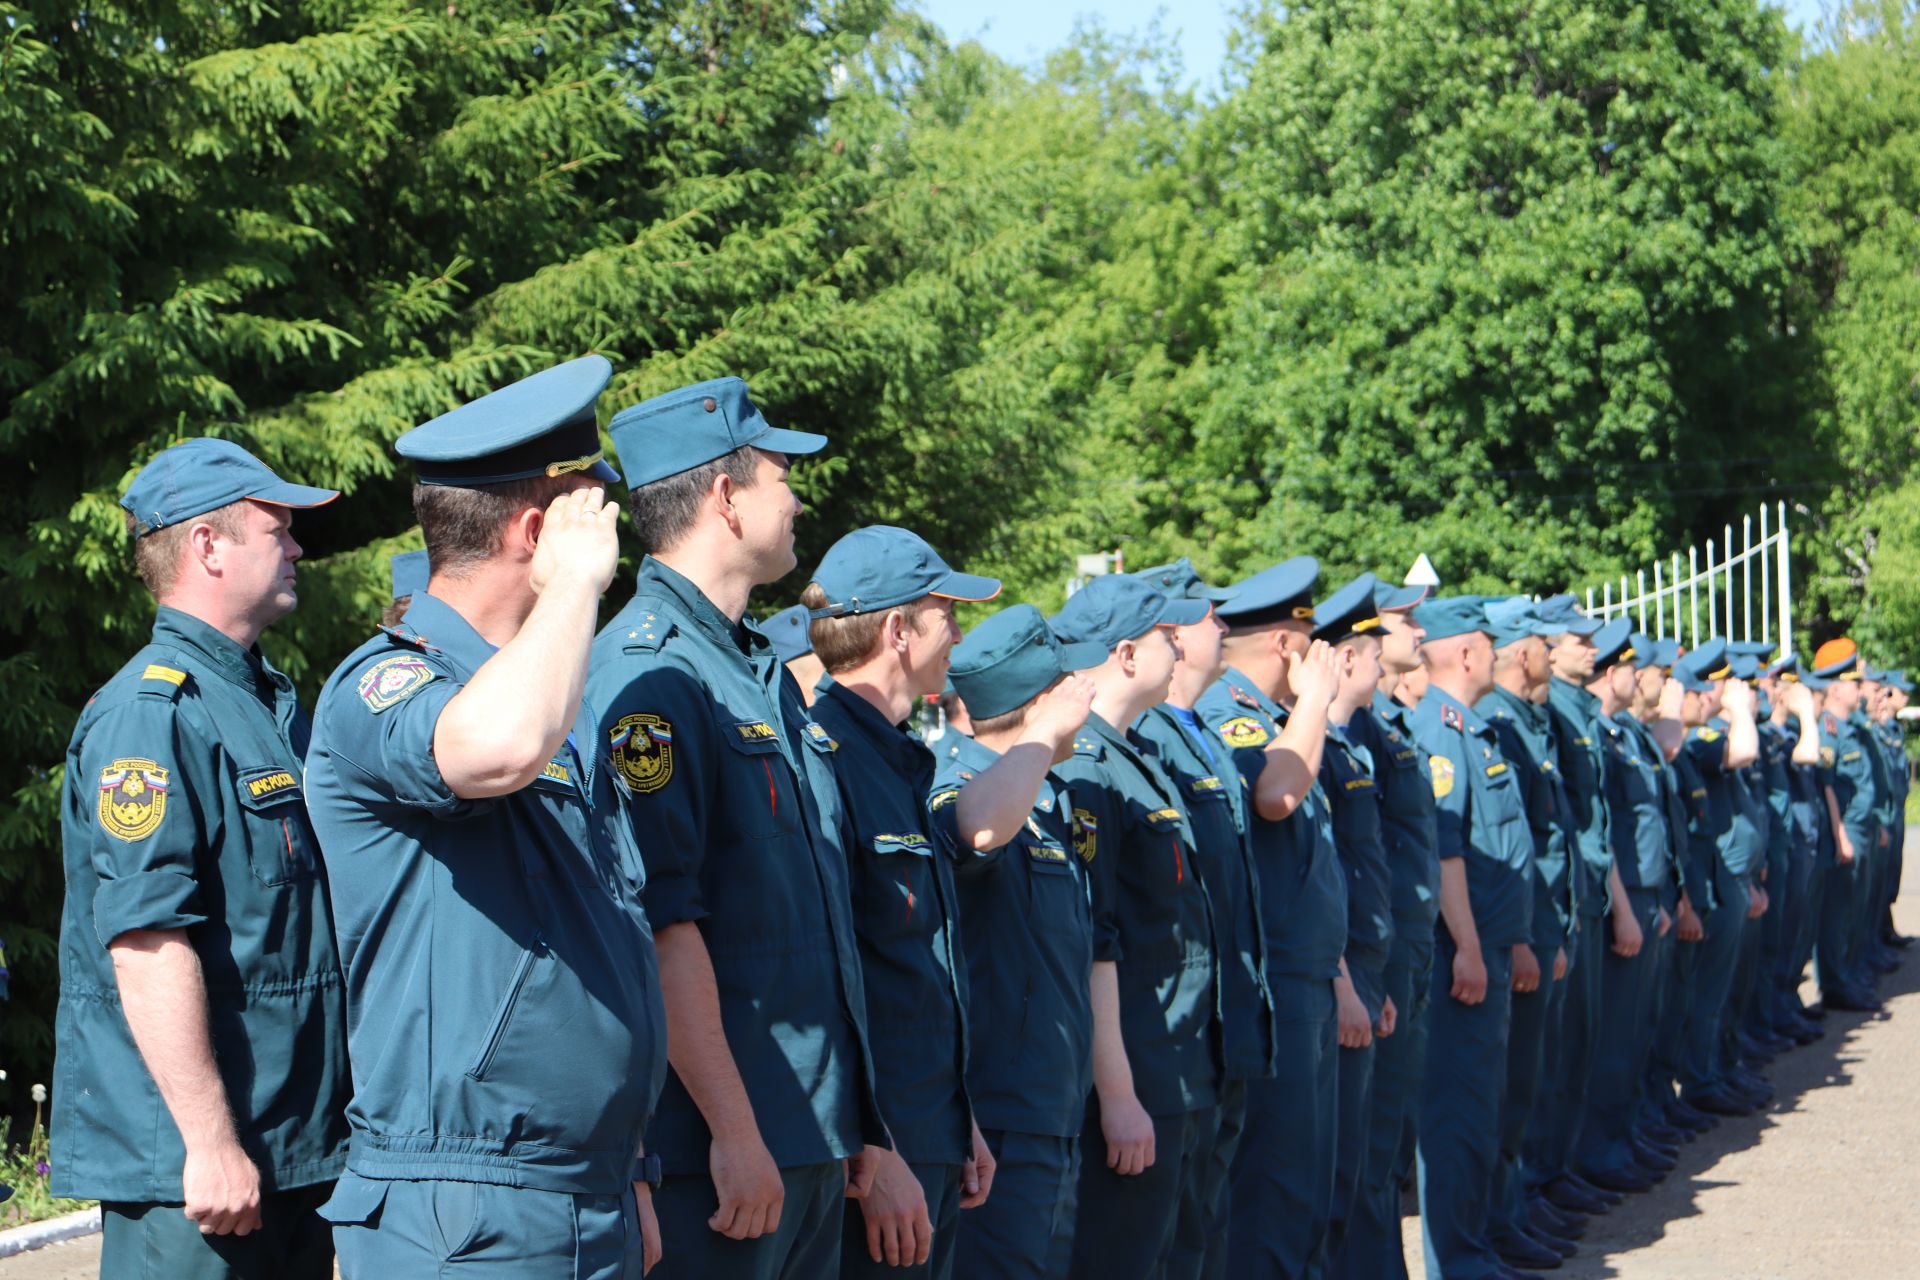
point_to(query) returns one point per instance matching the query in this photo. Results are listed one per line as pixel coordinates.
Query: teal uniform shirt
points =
(1303, 890)
(904, 914)
(1026, 918)
(1776, 771)
(1151, 915)
(729, 785)
(1812, 826)
(1525, 734)
(182, 810)
(1582, 755)
(1407, 821)
(1725, 841)
(1347, 776)
(1210, 789)
(1674, 789)
(1481, 810)
(1899, 780)
(1639, 828)
(481, 938)
(1850, 772)
(1866, 733)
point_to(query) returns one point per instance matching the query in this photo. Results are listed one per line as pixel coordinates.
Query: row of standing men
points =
(549, 953)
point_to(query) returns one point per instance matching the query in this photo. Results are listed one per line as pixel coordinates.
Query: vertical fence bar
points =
(1786, 581)
(1726, 549)
(1606, 599)
(1640, 590)
(1746, 577)
(1693, 591)
(1766, 579)
(1712, 575)
(1589, 599)
(1659, 605)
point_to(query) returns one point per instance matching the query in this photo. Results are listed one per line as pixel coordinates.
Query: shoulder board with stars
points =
(647, 633)
(1085, 746)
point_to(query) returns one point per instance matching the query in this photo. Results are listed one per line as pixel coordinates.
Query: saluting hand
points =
(1314, 676)
(577, 540)
(1059, 713)
(1739, 697)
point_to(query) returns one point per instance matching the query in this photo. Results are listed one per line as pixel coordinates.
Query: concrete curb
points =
(34, 1235)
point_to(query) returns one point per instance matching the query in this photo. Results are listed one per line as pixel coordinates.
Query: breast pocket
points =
(897, 896)
(559, 784)
(279, 842)
(757, 799)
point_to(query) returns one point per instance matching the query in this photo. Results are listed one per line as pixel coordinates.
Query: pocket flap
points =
(355, 1201)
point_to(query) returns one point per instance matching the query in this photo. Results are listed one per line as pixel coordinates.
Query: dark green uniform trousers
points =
(1532, 1026)
(1626, 1039)
(1460, 1117)
(1701, 1062)
(1130, 1219)
(1216, 1167)
(386, 1230)
(806, 1246)
(1282, 1180)
(150, 1241)
(1024, 1231)
(1372, 1249)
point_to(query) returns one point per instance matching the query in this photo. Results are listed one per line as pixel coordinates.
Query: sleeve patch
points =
(1244, 731)
(942, 799)
(393, 680)
(641, 747)
(1442, 776)
(1086, 835)
(133, 798)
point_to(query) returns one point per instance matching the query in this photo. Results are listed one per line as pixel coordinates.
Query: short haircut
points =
(391, 615)
(156, 552)
(844, 642)
(664, 511)
(464, 527)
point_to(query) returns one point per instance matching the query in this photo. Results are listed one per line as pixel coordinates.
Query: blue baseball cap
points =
(197, 476)
(1697, 669)
(410, 573)
(1563, 611)
(1514, 618)
(1182, 581)
(692, 426)
(1786, 667)
(787, 630)
(1388, 598)
(1450, 616)
(879, 567)
(1120, 607)
(1760, 649)
(1648, 652)
(1612, 645)
(1898, 679)
(1350, 611)
(542, 425)
(1283, 593)
(1011, 658)
(1743, 666)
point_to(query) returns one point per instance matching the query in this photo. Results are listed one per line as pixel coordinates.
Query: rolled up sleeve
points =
(145, 832)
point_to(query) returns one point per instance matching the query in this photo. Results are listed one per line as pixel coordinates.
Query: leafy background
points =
(1542, 289)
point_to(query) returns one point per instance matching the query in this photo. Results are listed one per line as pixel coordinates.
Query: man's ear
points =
(1126, 655)
(522, 533)
(721, 497)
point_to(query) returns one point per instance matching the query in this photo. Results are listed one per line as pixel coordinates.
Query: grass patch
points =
(28, 1172)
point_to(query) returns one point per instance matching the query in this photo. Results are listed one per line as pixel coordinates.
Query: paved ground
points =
(1822, 1185)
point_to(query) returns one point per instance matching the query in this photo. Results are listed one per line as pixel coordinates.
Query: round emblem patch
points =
(641, 747)
(133, 798)
(1245, 731)
(1442, 776)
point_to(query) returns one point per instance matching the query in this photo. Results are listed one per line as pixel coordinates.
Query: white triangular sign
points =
(1422, 574)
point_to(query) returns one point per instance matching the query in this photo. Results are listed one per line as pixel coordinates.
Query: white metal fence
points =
(1712, 590)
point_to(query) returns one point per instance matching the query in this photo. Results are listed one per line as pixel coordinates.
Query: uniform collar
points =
(1574, 697)
(866, 719)
(244, 667)
(1527, 712)
(439, 624)
(697, 609)
(1395, 713)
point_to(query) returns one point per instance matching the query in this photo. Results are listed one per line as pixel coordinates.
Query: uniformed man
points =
(1726, 846)
(1155, 1069)
(201, 1030)
(486, 908)
(1348, 621)
(409, 571)
(1200, 765)
(1027, 920)
(883, 626)
(1270, 709)
(1846, 982)
(1486, 908)
(729, 785)
(1639, 835)
(792, 642)
(1898, 688)
(1373, 1247)
(1795, 719)
(1770, 782)
(1514, 709)
(1879, 957)
(1605, 922)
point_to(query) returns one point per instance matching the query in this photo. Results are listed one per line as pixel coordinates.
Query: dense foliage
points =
(1540, 289)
